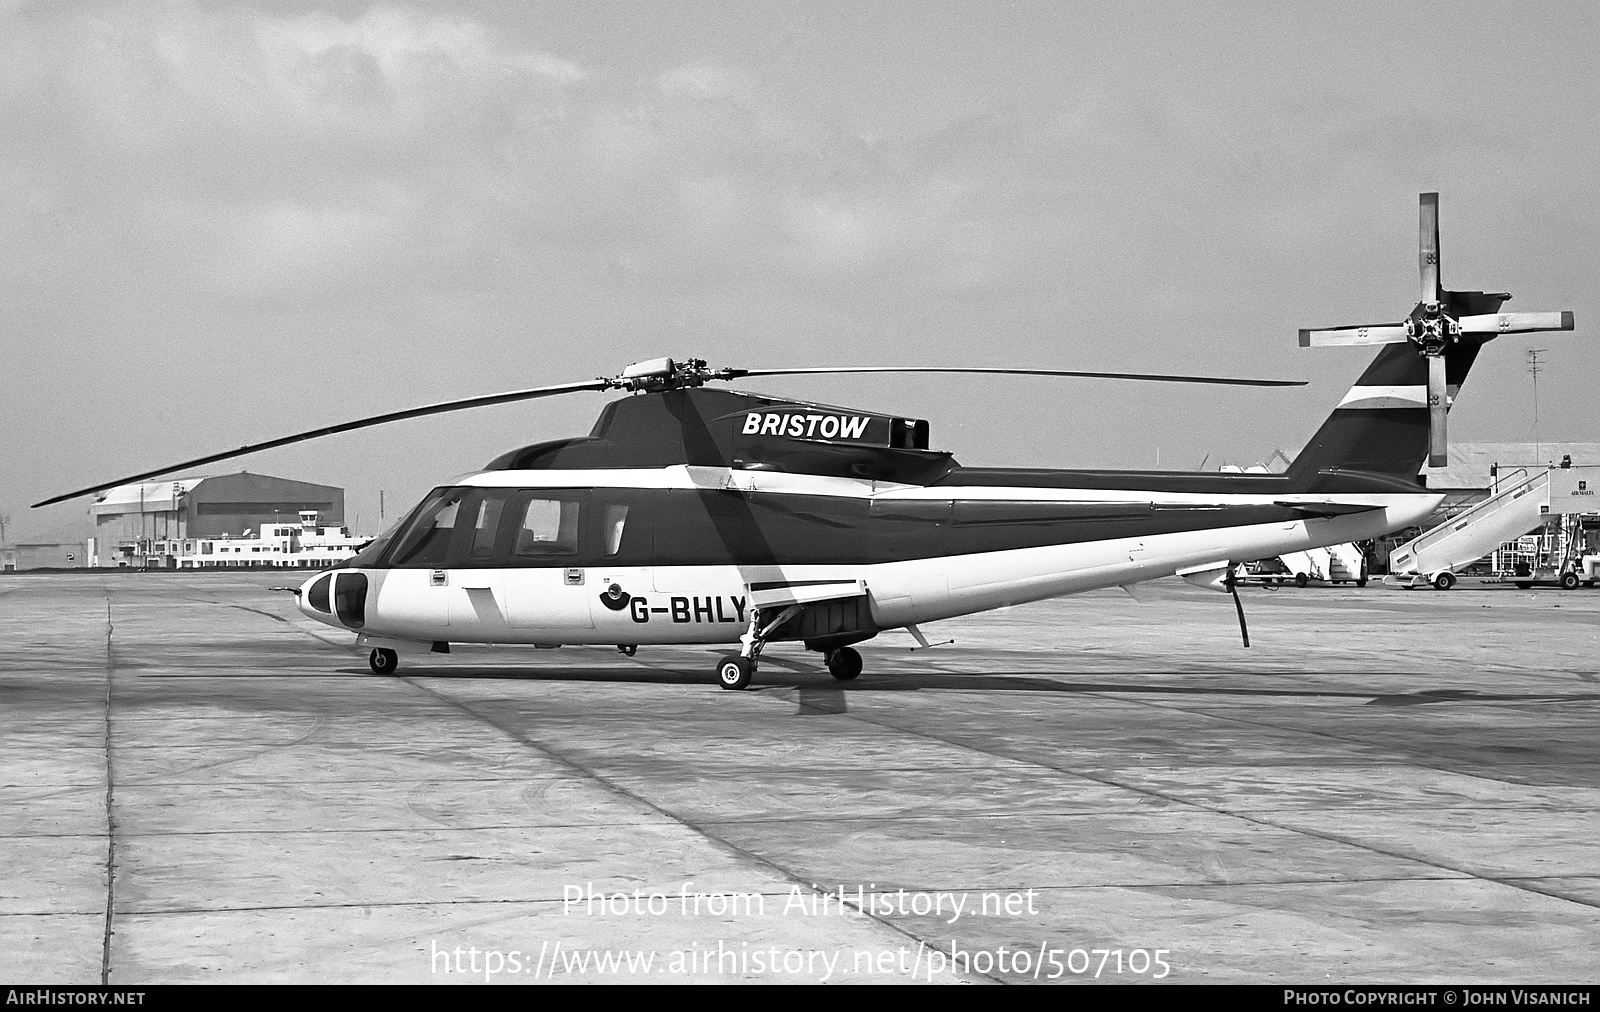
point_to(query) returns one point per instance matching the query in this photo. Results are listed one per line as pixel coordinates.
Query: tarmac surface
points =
(198, 784)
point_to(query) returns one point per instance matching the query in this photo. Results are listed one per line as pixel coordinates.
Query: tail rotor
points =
(1435, 325)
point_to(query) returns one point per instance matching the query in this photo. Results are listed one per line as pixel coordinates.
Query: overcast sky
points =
(221, 223)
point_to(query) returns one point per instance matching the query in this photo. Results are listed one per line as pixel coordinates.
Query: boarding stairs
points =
(1521, 504)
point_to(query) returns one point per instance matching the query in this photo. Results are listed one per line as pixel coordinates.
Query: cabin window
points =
(318, 595)
(549, 527)
(426, 538)
(616, 517)
(486, 527)
(350, 598)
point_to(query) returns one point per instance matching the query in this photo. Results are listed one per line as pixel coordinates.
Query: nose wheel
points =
(383, 662)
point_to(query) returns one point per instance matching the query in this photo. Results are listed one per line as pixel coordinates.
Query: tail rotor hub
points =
(1432, 329)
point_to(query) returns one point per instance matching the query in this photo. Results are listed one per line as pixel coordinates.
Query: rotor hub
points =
(1432, 329)
(659, 374)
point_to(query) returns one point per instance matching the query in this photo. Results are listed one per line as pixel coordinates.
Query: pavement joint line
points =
(1327, 837)
(1509, 881)
(1439, 763)
(699, 830)
(111, 818)
(831, 818)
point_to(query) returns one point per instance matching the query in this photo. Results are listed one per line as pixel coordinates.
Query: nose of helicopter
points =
(337, 597)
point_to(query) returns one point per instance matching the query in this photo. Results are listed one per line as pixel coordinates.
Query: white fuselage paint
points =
(709, 604)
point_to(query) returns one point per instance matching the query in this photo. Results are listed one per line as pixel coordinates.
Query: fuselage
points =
(672, 554)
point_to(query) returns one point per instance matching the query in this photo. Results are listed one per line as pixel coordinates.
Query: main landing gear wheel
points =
(843, 663)
(734, 672)
(1445, 580)
(1569, 581)
(383, 662)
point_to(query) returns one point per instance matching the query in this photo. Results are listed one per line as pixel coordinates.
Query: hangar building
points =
(130, 521)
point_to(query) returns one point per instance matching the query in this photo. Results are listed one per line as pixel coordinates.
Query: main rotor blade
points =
(1438, 406)
(1515, 323)
(1428, 246)
(1144, 377)
(1382, 333)
(328, 430)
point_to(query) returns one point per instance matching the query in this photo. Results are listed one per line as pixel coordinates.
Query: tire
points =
(627, 650)
(1524, 584)
(1361, 582)
(383, 662)
(1445, 580)
(844, 663)
(1301, 579)
(734, 672)
(1569, 581)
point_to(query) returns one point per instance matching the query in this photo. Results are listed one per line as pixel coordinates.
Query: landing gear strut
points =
(735, 672)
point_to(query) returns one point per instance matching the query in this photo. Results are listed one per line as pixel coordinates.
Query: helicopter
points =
(692, 514)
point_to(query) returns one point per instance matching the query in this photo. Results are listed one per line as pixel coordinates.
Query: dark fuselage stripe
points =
(692, 527)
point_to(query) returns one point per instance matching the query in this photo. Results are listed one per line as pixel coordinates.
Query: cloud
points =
(252, 155)
(260, 145)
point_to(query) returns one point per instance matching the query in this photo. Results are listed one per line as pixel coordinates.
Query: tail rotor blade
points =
(1382, 333)
(1515, 323)
(1438, 408)
(1428, 246)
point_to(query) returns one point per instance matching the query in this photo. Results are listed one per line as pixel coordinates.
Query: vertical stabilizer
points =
(1381, 425)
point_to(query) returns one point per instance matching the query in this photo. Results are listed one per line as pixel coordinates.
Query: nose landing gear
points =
(383, 662)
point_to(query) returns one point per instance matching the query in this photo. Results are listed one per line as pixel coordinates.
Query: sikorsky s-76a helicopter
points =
(692, 514)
